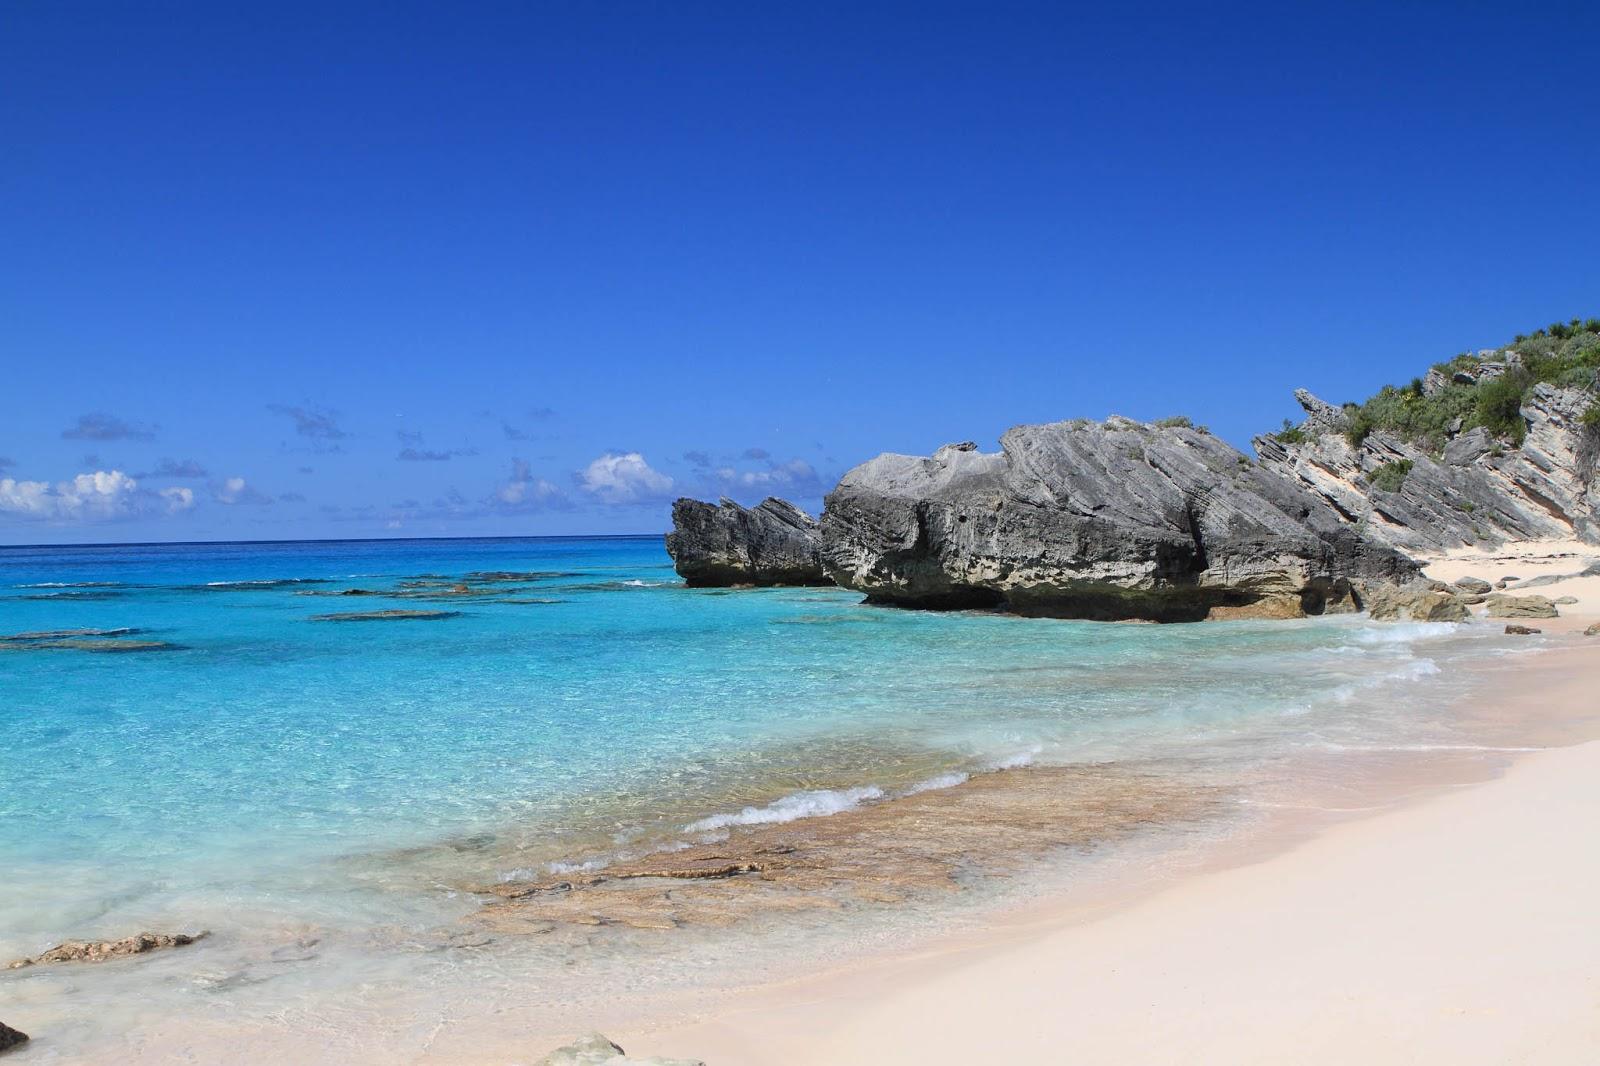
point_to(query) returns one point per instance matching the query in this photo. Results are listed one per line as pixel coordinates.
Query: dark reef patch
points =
(385, 616)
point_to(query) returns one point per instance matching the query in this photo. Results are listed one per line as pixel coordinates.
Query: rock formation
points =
(1476, 490)
(104, 950)
(1419, 601)
(773, 543)
(1105, 520)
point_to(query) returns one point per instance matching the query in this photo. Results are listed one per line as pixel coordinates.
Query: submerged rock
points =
(101, 640)
(105, 950)
(1503, 606)
(10, 1038)
(394, 615)
(1108, 520)
(773, 543)
(596, 1050)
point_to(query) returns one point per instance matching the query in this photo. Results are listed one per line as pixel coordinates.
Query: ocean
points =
(246, 739)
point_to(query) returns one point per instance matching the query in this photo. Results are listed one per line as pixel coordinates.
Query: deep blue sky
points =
(575, 259)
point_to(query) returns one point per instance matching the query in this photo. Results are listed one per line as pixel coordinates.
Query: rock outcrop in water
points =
(1475, 490)
(1111, 520)
(105, 950)
(718, 545)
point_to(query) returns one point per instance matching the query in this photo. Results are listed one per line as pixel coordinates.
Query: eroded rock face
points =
(723, 544)
(1479, 491)
(1096, 520)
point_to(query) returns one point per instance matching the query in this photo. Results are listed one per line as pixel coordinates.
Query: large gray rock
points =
(1478, 491)
(774, 543)
(1096, 520)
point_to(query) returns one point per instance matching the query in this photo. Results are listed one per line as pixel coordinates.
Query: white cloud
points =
(624, 477)
(796, 475)
(26, 497)
(102, 495)
(524, 489)
(178, 499)
(236, 490)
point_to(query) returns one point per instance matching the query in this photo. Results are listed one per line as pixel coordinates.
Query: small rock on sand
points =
(10, 1038)
(1593, 630)
(1522, 631)
(596, 1050)
(1475, 585)
(1503, 606)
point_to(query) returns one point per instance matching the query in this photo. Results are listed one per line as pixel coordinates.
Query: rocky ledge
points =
(1112, 520)
(723, 544)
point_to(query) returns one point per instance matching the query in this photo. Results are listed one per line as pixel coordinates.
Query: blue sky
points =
(453, 269)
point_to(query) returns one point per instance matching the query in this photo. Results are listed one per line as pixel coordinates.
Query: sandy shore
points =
(1550, 568)
(1458, 928)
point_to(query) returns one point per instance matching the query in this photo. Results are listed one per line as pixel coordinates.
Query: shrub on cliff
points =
(1566, 355)
(1390, 476)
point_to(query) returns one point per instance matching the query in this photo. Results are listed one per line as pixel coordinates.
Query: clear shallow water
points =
(271, 775)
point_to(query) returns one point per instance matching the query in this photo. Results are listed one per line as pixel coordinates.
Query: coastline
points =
(851, 922)
(1451, 924)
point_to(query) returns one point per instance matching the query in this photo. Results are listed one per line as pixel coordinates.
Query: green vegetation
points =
(1290, 433)
(1390, 476)
(1565, 354)
(1175, 422)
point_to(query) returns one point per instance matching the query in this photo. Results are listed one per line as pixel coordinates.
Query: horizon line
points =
(328, 540)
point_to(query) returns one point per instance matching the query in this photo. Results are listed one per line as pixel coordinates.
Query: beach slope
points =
(1461, 928)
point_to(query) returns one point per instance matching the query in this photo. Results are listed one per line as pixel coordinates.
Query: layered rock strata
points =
(724, 544)
(1112, 520)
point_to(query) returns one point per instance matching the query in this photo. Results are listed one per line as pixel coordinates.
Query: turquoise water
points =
(261, 770)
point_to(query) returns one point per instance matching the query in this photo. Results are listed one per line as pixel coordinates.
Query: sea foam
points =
(809, 804)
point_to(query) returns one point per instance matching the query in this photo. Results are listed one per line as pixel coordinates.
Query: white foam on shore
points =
(933, 784)
(1410, 670)
(810, 804)
(1017, 761)
(1405, 632)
